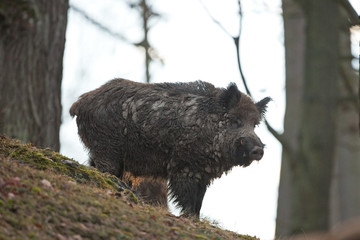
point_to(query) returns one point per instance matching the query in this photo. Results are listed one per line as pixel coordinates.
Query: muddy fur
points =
(185, 133)
(152, 191)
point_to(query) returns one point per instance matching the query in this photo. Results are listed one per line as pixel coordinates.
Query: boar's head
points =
(243, 146)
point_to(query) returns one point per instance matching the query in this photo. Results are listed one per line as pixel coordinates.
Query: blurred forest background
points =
(320, 166)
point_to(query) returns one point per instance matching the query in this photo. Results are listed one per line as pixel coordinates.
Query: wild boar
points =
(186, 133)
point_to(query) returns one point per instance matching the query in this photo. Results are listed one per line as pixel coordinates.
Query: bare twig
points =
(215, 20)
(99, 25)
(236, 39)
(280, 137)
(146, 12)
(237, 45)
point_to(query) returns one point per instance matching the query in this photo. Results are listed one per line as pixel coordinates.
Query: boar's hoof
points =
(256, 153)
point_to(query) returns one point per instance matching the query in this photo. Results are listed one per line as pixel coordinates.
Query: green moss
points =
(36, 189)
(200, 237)
(32, 235)
(131, 196)
(46, 159)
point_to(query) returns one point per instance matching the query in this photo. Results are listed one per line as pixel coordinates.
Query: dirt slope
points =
(44, 195)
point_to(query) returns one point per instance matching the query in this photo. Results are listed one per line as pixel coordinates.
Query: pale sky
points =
(193, 47)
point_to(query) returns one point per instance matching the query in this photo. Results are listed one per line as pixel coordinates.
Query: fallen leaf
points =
(84, 227)
(38, 225)
(46, 183)
(13, 181)
(118, 194)
(61, 237)
(77, 237)
(11, 195)
(71, 182)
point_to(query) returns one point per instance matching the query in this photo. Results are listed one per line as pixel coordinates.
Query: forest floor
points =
(44, 195)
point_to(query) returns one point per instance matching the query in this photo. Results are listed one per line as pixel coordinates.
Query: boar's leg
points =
(152, 191)
(187, 194)
(199, 200)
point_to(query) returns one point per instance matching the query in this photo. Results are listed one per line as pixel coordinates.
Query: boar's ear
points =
(230, 97)
(262, 105)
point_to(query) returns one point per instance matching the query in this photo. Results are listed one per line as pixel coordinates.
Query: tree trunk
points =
(320, 171)
(345, 191)
(316, 150)
(294, 40)
(32, 39)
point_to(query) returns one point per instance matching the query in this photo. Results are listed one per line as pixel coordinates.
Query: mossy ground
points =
(44, 195)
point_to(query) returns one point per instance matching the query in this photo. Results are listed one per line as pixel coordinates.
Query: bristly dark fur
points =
(186, 133)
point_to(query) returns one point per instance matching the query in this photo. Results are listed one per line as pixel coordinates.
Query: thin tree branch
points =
(237, 45)
(147, 13)
(99, 25)
(215, 20)
(236, 39)
(353, 16)
(280, 137)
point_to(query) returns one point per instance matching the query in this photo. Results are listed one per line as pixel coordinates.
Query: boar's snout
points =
(256, 153)
(247, 150)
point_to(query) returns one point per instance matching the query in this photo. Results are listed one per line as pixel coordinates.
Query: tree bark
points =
(32, 39)
(320, 173)
(316, 150)
(294, 40)
(345, 191)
